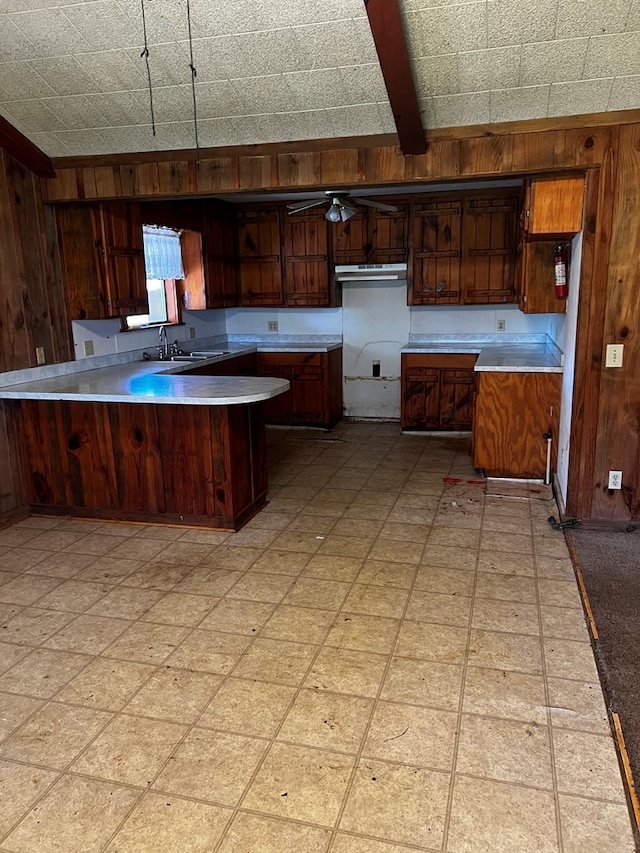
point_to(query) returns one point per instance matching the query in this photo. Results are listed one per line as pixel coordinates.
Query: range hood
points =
(370, 272)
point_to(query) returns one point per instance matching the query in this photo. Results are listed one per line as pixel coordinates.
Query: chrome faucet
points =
(163, 343)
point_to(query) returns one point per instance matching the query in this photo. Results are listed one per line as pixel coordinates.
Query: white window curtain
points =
(162, 256)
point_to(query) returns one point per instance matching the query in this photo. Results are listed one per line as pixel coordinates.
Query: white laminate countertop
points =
(149, 382)
(516, 354)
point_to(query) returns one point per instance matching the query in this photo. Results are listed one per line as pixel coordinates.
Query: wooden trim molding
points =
(391, 46)
(24, 151)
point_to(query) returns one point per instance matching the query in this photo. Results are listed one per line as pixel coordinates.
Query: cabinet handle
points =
(441, 286)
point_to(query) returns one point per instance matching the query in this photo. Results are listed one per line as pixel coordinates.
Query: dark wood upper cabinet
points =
(372, 236)
(81, 261)
(260, 258)
(220, 257)
(489, 241)
(122, 247)
(437, 250)
(306, 261)
(553, 206)
(350, 239)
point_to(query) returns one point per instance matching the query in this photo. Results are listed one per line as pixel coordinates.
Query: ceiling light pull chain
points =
(145, 54)
(193, 82)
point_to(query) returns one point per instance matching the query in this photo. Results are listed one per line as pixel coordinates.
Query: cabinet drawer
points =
(290, 359)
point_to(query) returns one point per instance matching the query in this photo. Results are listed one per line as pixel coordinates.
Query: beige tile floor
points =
(378, 662)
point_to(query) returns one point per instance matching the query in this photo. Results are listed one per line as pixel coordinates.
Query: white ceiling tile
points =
(169, 63)
(271, 52)
(521, 21)
(335, 43)
(21, 81)
(113, 70)
(427, 112)
(120, 140)
(15, 45)
(613, 55)
(218, 58)
(360, 120)
(215, 132)
(177, 134)
(456, 110)
(166, 20)
(447, 29)
(7, 6)
(106, 24)
(75, 112)
(316, 90)
(591, 17)
(215, 100)
(64, 75)
(364, 83)
(226, 18)
(257, 129)
(50, 32)
(581, 96)
(83, 142)
(633, 21)
(553, 61)
(172, 103)
(311, 11)
(625, 94)
(497, 68)
(516, 104)
(256, 95)
(32, 116)
(308, 124)
(50, 144)
(121, 108)
(436, 75)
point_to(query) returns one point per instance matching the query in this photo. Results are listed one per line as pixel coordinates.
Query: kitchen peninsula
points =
(142, 441)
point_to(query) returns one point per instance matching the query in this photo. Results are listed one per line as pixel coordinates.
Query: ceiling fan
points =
(341, 205)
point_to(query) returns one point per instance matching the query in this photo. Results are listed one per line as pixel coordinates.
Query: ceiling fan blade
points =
(305, 205)
(380, 205)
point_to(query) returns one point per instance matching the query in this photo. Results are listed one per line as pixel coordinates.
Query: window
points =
(163, 265)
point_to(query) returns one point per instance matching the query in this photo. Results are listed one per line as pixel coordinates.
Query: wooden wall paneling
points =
(442, 160)
(299, 170)
(126, 181)
(339, 168)
(103, 182)
(537, 151)
(45, 480)
(256, 172)
(218, 174)
(147, 179)
(64, 187)
(598, 216)
(175, 177)
(618, 428)
(585, 146)
(486, 155)
(385, 165)
(136, 451)
(60, 325)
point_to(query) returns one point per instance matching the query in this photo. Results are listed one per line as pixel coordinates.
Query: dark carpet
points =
(610, 567)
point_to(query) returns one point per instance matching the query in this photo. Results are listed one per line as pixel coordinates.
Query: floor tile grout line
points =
(465, 664)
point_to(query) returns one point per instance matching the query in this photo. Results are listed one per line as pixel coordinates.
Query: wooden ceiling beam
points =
(388, 35)
(24, 151)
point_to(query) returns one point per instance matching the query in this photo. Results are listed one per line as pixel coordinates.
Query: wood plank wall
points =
(605, 431)
(32, 312)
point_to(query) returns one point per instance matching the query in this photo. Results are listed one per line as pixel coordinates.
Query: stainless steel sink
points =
(210, 353)
(191, 357)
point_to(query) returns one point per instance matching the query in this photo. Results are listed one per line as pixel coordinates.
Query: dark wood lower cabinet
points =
(176, 464)
(315, 395)
(437, 391)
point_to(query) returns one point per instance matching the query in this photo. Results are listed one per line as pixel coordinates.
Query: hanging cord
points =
(145, 54)
(193, 82)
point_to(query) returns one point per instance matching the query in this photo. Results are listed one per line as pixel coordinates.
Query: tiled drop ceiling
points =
(73, 80)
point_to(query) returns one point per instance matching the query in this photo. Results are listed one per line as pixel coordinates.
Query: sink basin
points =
(192, 357)
(210, 353)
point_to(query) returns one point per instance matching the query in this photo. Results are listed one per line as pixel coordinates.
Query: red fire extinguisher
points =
(560, 271)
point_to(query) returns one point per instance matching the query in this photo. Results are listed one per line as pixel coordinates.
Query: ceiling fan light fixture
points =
(346, 212)
(333, 214)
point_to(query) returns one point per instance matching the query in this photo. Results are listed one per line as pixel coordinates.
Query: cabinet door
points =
(555, 206)
(220, 258)
(307, 388)
(436, 253)
(124, 259)
(306, 264)
(388, 236)
(81, 259)
(420, 398)
(277, 410)
(350, 240)
(538, 292)
(456, 399)
(259, 257)
(489, 249)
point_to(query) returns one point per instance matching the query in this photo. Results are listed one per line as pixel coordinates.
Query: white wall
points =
(567, 344)
(291, 321)
(480, 319)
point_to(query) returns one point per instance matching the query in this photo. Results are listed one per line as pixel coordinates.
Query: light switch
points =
(614, 355)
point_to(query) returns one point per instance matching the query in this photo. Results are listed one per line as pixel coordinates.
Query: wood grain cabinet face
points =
(259, 257)
(372, 237)
(126, 279)
(489, 249)
(306, 261)
(437, 248)
(220, 258)
(437, 391)
(513, 411)
(81, 259)
(554, 206)
(537, 287)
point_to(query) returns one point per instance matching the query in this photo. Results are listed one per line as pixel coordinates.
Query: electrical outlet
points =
(501, 325)
(192, 333)
(615, 479)
(614, 355)
(40, 356)
(88, 347)
(272, 326)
